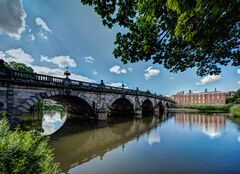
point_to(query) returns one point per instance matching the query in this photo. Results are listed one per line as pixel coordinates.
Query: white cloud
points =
(117, 84)
(118, 70)
(57, 72)
(171, 78)
(130, 69)
(12, 18)
(89, 59)
(208, 79)
(95, 73)
(238, 71)
(42, 24)
(17, 55)
(31, 37)
(150, 72)
(43, 35)
(81, 78)
(61, 61)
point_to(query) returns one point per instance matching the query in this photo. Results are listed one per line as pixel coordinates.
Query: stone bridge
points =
(20, 91)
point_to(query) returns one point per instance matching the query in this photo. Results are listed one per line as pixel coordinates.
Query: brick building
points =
(201, 98)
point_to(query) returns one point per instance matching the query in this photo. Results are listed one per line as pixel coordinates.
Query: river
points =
(173, 143)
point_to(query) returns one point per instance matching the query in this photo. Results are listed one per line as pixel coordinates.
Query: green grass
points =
(235, 111)
(225, 108)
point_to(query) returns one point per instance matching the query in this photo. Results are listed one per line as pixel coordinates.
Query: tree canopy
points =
(179, 34)
(18, 67)
(234, 99)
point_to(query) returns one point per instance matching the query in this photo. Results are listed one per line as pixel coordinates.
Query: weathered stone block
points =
(26, 105)
(30, 102)
(34, 99)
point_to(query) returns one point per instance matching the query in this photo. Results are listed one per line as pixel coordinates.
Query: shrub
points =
(225, 108)
(24, 152)
(235, 111)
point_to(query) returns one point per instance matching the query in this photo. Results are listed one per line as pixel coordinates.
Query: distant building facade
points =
(202, 98)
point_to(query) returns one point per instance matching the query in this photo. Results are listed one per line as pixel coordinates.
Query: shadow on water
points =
(78, 142)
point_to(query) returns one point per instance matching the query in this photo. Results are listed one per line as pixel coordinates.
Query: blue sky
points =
(49, 35)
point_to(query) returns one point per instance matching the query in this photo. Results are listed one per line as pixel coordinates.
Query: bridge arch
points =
(121, 107)
(147, 108)
(72, 102)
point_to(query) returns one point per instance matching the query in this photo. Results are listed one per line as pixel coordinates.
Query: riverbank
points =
(175, 110)
(201, 108)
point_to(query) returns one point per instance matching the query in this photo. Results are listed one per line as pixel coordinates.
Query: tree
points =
(234, 99)
(179, 34)
(18, 67)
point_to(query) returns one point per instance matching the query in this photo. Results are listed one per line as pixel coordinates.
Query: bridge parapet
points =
(46, 80)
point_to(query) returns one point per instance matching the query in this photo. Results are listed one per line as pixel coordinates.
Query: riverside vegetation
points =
(206, 108)
(24, 152)
(43, 106)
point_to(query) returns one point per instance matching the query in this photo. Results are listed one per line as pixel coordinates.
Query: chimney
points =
(215, 89)
(205, 89)
(183, 92)
(190, 91)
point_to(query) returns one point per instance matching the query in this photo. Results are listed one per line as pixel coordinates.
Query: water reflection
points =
(52, 121)
(46, 122)
(153, 137)
(174, 143)
(210, 125)
(74, 144)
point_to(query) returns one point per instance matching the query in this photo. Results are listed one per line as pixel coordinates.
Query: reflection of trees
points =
(75, 144)
(236, 120)
(37, 120)
(32, 121)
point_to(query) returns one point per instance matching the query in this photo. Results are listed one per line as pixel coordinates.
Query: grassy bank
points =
(224, 108)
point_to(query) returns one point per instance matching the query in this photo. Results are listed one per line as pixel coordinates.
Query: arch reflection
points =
(75, 144)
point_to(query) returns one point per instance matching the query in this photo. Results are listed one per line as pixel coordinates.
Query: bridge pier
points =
(156, 111)
(102, 115)
(138, 112)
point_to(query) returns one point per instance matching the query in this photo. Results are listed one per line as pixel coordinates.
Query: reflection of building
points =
(210, 125)
(202, 98)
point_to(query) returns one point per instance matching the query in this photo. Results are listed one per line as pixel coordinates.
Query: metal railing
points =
(66, 82)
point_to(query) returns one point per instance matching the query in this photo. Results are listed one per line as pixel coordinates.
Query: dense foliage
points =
(178, 34)
(18, 67)
(225, 108)
(234, 99)
(24, 152)
(235, 111)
